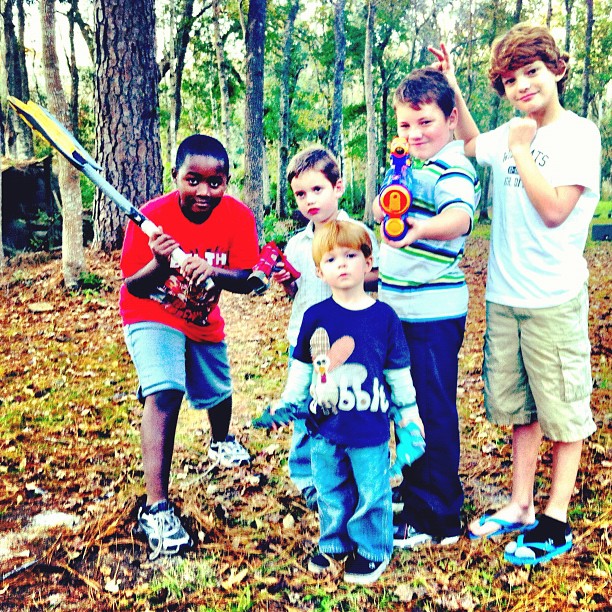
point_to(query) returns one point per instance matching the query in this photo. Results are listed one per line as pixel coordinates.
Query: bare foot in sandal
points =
(510, 518)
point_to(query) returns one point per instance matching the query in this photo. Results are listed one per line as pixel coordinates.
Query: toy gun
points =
(395, 196)
(270, 258)
(43, 122)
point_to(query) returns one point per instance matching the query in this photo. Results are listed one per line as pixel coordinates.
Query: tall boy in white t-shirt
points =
(537, 353)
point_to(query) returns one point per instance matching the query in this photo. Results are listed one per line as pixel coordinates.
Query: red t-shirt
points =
(227, 239)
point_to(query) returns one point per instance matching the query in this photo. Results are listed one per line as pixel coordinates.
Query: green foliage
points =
(91, 281)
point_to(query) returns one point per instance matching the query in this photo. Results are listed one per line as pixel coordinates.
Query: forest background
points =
(130, 80)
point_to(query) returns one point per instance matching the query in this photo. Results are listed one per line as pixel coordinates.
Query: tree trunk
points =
(126, 110)
(181, 42)
(588, 39)
(88, 35)
(335, 130)
(254, 146)
(73, 256)
(74, 71)
(27, 145)
(18, 134)
(569, 5)
(372, 141)
(224, 92)
(1, 237)
(284, 119)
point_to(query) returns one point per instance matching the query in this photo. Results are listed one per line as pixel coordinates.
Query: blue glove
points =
(283, 415)
(410, 446)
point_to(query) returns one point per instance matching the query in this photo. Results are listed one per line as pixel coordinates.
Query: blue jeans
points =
(432, 491)
(300, 464)
(300, 467)
(354, 494)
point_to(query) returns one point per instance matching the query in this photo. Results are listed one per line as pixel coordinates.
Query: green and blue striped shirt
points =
(423, 282)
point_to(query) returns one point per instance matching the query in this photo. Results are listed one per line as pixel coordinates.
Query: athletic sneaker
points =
(406, 536)
(397, 500)
(324, 562)
(229, 453)
(360, 570)
(163, 529)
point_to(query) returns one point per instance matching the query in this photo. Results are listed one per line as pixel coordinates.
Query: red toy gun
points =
(270, 258)
(395, 196)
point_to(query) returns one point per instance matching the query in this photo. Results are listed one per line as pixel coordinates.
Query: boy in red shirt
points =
(173, 325)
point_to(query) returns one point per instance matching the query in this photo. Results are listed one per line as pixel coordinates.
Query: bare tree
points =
(254, 146)
(73, 256)
(335, 130)
(74, 69)
(19, 136)
(372, 141)
(126, 110)
(588, 39)
(284, 110)
(181, 41)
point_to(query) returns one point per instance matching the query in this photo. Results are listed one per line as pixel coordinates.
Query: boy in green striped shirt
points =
(419, 276)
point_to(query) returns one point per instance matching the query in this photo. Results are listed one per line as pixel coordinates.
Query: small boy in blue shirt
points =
(351, 358)
(314, 177)
(421, 279)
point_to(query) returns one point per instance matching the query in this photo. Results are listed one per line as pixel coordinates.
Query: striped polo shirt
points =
(423, 282)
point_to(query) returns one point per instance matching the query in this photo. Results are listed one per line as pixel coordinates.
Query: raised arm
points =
(466, 129)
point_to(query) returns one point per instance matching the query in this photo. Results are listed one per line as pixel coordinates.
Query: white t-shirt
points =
(531, 265)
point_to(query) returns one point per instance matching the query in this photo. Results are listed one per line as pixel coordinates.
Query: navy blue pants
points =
(431, 489)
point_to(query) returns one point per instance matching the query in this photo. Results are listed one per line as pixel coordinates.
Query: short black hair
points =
(201, 144)
(426, 86)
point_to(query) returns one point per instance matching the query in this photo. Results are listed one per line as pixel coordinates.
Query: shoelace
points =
(161, 519)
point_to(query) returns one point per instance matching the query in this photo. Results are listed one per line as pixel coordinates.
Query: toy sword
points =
(60, 138)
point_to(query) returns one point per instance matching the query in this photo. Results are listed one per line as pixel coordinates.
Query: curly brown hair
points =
(524, 44)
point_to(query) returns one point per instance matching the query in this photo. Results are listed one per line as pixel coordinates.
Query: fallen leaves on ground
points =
(69, 423)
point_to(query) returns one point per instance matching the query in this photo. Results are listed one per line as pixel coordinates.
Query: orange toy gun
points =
(395, 196)
(270, 258)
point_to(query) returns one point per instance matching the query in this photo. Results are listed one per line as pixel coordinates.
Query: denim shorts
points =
(166, 359)
(537, 368)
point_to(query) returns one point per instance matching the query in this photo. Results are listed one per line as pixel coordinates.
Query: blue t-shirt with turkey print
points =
(350, 350)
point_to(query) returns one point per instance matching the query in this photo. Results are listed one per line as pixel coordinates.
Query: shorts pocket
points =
(575, 360)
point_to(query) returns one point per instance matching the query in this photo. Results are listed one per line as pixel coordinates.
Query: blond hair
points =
(340, 234)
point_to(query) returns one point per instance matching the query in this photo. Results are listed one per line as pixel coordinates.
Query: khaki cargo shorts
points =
(537, 367)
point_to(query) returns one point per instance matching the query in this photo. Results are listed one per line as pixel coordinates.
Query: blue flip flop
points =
(504, 527)
(531, 553)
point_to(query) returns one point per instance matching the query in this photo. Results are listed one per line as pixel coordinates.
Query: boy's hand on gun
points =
(281, 275)
(196, 270)
(414, 233)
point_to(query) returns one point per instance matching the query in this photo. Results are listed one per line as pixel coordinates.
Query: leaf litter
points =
(69, 425)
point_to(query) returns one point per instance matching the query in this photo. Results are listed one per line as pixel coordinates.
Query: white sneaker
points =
(406, 536)
(229, 453)
(164, 531)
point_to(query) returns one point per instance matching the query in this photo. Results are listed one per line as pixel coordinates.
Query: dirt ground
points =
(71, 476)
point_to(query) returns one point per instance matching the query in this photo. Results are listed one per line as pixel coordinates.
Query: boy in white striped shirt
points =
(419, 276)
